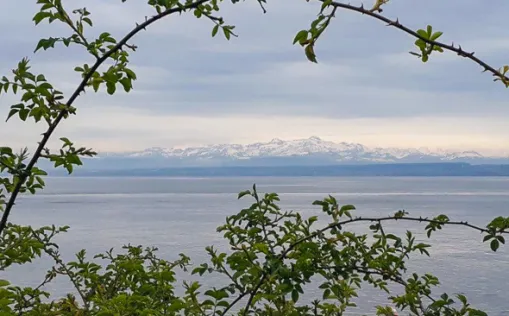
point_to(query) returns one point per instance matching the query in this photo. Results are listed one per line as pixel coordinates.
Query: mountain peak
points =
(276, 141)
(312, 150)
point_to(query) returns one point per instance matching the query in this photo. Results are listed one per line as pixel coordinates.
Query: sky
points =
(197, 90)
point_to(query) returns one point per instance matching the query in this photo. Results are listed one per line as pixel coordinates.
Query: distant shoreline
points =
(369, 170)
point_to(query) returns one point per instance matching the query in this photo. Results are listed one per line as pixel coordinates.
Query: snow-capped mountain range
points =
(310, 151)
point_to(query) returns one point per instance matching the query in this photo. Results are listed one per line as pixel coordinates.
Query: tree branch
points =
(383, 219)
(458, 50)
(75, 95)
(284, 254)
(254, 291)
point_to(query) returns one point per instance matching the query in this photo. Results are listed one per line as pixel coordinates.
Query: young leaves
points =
(425, 47)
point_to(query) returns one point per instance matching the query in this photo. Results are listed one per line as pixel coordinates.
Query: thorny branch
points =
(395, 23)
(320, 232)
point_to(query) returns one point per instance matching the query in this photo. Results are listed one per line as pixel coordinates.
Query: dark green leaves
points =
(40, 16)
(494, 244)
(243, 193)
(110, 87)
(308, 38)
(215, 29)
(47, 43)
(228, 31)
(310, 52)
(436, 224)
(130, 74)
(495, 230)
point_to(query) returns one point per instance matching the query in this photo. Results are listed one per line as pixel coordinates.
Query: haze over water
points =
(181, 215)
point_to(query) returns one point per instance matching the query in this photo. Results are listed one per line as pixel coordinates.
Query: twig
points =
(384, 219)
(64, 268)
(27, 301)
(81, 87)
(254, 291)
(407, 30)
(73, 27)
(241, 296)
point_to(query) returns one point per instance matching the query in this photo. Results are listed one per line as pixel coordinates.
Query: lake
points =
(181, 215)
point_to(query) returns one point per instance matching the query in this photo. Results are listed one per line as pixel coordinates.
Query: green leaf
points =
(429, 30)
(243, 193)
(215, 29)
(5, 150)
(96, 82)
(74, 159)
(346, 208)
(494, 244)
(435, 35)
(310, 53)
(45, 86)
(4, 283)
(295, 296)
(41, 16)
(227, 32)
(11, 113)
(66, 141)
(130, 74)
(423, 34)
(261, 247)
(40, 181)
(23, 114)
(301, 35)
(110, 87)
(88, 21)
(421, 44)
(126, 83)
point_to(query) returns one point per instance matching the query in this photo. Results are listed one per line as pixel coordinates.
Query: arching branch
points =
(395, 23)
(320, 232)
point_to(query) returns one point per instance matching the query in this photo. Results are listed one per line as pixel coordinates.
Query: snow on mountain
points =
(310, 147)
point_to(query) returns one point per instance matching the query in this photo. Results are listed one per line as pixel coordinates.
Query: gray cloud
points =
(364, 70)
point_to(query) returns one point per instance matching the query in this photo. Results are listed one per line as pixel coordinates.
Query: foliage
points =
(275, 256)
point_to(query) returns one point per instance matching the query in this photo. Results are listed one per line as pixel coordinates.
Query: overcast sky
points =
(194, 89)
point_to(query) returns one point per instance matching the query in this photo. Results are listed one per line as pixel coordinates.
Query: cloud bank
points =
(197, 90)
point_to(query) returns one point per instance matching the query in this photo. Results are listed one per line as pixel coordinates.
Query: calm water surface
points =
(181, 215)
